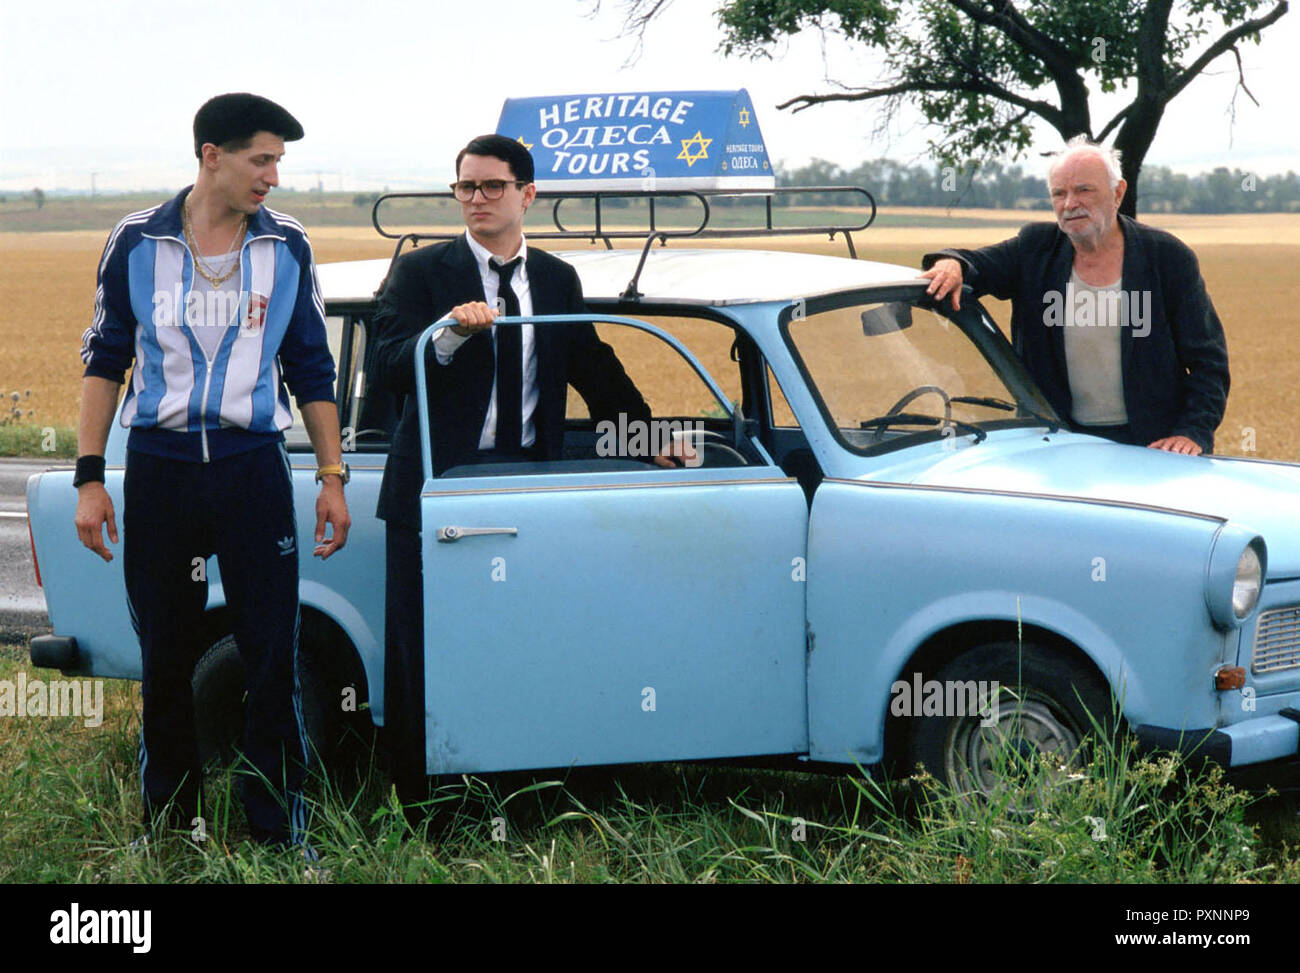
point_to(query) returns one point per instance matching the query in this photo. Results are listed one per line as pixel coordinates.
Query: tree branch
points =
(1056, 59)
(1122, 114)
(637, 15)
(1046, 111)
(1009, 21)
(1153, 31)
(1223, 44)
(1241, 77)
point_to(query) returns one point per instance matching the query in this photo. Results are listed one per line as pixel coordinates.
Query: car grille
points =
(1277, 641)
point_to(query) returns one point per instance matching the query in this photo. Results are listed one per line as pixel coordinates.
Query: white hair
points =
(1081, 144)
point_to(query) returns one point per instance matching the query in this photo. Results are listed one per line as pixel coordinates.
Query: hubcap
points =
(984, 759)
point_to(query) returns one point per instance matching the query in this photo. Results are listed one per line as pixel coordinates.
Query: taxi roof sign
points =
(646, 140)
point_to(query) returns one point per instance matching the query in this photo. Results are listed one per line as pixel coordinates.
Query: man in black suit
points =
(496, 394)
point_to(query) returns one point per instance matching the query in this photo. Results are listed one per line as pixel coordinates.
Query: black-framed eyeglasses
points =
(490, 188)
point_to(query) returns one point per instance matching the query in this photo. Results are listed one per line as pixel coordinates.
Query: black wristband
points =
(90, 469)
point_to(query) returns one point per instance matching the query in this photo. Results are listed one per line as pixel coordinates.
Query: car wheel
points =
(218, 685)
(218, 689)
(1043, 706)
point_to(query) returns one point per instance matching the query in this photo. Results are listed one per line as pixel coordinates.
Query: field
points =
(1249, 262)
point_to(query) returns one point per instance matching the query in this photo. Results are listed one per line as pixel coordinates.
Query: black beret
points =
(227, 118)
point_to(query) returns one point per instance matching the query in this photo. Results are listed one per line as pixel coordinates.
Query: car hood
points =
(1261, 496)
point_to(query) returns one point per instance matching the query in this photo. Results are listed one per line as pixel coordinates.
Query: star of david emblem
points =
(744, 118)
(700, 142)
(526, 145)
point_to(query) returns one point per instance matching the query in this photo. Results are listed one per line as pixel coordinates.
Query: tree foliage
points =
(980, 70)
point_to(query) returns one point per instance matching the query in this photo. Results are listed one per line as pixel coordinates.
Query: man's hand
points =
(945, 280)
(331, 508)
(683, 451)
(1177, 444)
(322, 422)
(471, 318)
(94, 505)
(94, 509)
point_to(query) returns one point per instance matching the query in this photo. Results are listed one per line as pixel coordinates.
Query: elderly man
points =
(1111, 317)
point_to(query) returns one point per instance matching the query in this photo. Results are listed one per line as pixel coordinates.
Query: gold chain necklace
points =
(204, 270)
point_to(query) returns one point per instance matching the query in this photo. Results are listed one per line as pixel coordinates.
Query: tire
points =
(218, 688)
(1043, 706)
(335, 742)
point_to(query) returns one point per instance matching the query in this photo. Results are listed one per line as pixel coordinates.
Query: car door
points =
(604, 610)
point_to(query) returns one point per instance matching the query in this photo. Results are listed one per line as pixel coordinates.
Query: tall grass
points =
(70, 807)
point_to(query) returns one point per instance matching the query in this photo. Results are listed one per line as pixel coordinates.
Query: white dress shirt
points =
(446, 341)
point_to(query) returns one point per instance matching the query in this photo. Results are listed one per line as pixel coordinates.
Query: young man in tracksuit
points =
(215, 300)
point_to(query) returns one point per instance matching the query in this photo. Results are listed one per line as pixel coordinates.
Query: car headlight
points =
(1235, 580)
(1249, 582)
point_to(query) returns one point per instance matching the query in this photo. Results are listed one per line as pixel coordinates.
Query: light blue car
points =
(884, 547)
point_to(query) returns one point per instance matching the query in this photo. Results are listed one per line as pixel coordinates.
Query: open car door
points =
(606, 610)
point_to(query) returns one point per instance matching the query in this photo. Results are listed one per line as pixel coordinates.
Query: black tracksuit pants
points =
(404, 667)
(177, 515)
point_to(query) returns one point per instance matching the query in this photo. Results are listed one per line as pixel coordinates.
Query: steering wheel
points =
(710, 442)
(916, 393)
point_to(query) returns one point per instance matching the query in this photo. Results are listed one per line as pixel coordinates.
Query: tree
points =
(38, 195)
(979, 69)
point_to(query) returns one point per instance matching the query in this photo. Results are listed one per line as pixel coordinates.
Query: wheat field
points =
(1249, 263)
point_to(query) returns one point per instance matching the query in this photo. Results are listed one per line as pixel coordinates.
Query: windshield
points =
(891, 373)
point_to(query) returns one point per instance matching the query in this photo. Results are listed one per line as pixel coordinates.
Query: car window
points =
(668, 384)
(683, 407)
(782, 414)
(889, 371)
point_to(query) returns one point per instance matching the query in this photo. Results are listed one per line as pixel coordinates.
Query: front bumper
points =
(1275, 737)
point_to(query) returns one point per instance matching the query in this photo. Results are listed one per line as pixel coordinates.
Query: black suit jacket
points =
(1175, 378)
(424, 285)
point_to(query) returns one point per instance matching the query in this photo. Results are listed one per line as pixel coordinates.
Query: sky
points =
(389, 90)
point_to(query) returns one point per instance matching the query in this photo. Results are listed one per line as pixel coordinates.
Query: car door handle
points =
(448, 534)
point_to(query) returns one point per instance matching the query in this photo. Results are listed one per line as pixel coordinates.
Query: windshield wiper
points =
(917, 419)
(992, 403)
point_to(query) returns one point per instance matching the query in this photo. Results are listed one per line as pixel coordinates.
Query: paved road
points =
(22, 604)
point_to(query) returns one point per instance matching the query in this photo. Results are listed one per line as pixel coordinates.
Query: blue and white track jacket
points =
(180, 404)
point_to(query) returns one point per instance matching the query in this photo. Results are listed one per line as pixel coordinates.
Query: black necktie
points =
(510, 366)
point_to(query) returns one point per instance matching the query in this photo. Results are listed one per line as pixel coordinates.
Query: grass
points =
(41, 442)
(69, 806)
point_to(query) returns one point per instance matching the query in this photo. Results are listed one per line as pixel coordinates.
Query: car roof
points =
(704, 277)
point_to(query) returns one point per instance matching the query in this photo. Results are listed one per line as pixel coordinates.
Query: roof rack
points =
(652, 231)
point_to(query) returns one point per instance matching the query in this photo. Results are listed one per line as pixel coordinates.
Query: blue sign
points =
(641, 140)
